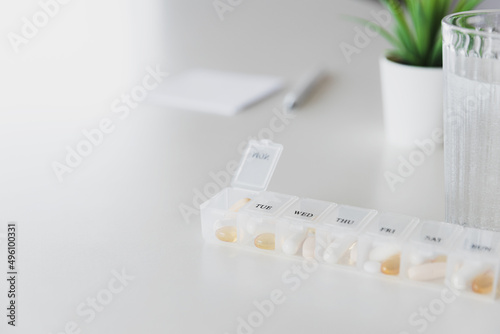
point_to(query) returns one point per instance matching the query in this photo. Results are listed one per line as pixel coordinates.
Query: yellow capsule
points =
(227, 234)
(265, 241)
(440, 258)
(391, 265)
(238, 205)
(483, 284)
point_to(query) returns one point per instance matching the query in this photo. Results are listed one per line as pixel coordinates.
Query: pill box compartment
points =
(296, 235)
(380, 246)
(473, 265)
(425, 255)
(219, 215)
(257, 222)
(338, 232)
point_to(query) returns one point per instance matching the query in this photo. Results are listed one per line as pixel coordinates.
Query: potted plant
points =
(411, 72)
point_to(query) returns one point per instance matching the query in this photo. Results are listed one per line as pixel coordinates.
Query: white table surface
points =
(119, 210)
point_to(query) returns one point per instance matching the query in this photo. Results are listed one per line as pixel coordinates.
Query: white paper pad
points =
(223, 93)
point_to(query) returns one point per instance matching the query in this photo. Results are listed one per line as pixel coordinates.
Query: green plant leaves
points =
(416, 33)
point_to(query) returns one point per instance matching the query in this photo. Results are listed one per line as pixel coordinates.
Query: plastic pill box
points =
(338, 234)
(237, 212)
(379, 244)
(298, 224)
(380, 247)
(425, 255)
(473, 266)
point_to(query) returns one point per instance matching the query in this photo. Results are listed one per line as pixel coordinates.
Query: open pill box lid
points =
(257, 165)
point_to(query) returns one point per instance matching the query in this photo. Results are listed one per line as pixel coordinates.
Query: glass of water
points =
(471, 64)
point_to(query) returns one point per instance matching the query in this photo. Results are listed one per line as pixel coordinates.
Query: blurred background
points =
(90, 49)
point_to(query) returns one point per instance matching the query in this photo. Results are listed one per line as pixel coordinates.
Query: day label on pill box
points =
(390, 225)
(261, 206)
(268, 203)
(387, 229)
(436, 233)
(307, 209)
(349, 217)
(265, 207)
(345, 221)
(303, 214)
(484, 242)
(479, 248)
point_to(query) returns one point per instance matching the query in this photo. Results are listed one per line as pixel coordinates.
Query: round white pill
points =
(372, 266)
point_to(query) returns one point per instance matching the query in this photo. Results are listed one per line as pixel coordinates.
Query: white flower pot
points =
(413, 101)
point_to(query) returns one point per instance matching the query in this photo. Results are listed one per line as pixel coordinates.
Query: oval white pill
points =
(372, 266)
(381, 253)
(308, 247)
(292, 244)
(427, 271)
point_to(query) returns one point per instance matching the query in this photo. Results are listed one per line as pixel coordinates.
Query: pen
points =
(304, 88)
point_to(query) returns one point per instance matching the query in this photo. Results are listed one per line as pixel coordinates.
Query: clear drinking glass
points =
(471, 61)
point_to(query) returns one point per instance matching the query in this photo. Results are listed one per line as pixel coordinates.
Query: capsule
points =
(265, 241)
(309, 246)
(427, 271)
(391, 265)
(483, 284)
(238, 205)
(227, 234)
(353, 253)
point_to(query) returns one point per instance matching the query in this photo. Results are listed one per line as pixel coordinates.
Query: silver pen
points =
(304, 88)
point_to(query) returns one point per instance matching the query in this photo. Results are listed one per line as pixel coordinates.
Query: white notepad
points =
(211, 91)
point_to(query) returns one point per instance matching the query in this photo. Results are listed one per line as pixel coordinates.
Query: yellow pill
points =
(483, 284)
(238, 205)
(391, 265)
(227, 234)
(265, 241)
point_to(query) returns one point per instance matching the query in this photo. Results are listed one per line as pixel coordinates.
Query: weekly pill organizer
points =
(398, 247)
